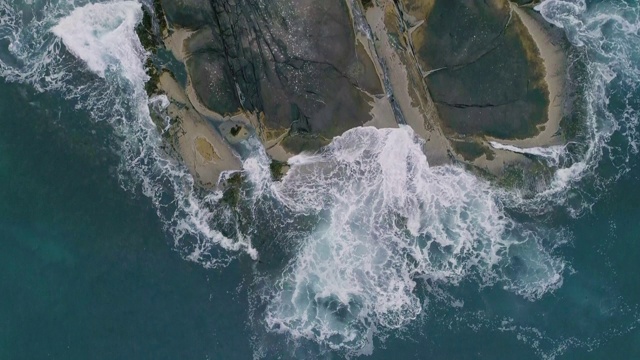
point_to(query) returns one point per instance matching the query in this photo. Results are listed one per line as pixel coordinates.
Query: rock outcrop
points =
(295, 64)
(302, 72)
(481, 68)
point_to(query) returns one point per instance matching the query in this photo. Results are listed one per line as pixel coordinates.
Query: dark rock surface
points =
(304, 71)
(211, 77)
(296, 62)
(482, 67)
(526, 2)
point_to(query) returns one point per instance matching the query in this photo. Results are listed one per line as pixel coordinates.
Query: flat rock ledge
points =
(298, 73)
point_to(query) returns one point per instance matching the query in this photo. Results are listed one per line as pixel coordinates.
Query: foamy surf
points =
(607, 89)
(355, 277)
(393, 223)
(103, 36)
(102, 39)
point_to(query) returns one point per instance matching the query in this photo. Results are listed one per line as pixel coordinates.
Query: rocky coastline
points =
(298, 73)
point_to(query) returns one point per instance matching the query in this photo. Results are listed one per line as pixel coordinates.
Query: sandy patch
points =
(205, 149)
(198, 105)
(277, 152)
(381, 114)
(176, 42)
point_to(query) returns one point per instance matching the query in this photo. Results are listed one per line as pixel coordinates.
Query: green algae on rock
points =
(151, 39)
(276, 60)
(232, 188)
(278, 169)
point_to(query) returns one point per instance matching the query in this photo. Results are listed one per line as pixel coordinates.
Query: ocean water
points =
(108, 250)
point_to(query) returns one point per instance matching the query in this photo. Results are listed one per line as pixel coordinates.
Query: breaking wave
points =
(390, 223)
(605, 65)
(551, 154)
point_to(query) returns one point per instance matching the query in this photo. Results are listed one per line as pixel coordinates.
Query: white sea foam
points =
(389, 223)
(103, 39)
(551, 153)
(393, 222)
(31, 53)
(606, 35)
(103, 36)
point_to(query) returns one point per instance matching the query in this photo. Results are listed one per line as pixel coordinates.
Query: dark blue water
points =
(97, 239)
(86, 271)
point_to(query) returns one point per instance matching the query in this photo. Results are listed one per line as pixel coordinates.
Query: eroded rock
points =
(295, 62)
(302, 72)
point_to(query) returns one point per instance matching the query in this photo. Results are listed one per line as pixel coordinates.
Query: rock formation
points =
(301, 72)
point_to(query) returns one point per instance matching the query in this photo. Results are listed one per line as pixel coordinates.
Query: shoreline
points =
(206, 150)
(175, 42)
(555, 66)
(202, 148)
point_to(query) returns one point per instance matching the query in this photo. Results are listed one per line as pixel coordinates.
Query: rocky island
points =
(465, 75)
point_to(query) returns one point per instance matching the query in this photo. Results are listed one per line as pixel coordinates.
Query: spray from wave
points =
(389, 224)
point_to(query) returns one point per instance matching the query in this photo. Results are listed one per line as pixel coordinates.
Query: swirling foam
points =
(605, 39)
(390, 223)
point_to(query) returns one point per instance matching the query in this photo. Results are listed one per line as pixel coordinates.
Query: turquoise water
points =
(108, 251)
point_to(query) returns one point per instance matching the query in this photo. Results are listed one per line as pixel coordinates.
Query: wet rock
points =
(481, 66)
(192, 14)
(526, 2)
(301, 72)
(234, 131)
